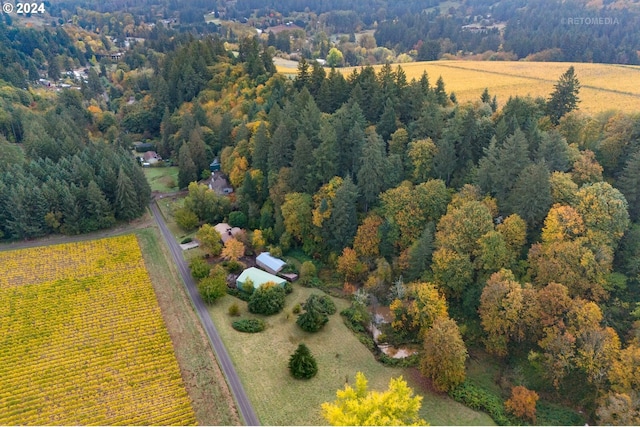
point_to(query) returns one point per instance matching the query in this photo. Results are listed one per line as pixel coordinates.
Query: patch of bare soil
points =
(205, 383)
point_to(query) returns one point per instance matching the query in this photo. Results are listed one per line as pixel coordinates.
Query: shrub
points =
(308, 271)
(249, 325)
(317, 308)
(288, 288)
(522, 403)
(275, 251)
(213, 287)
(234, 310)
(483, 400)
(238, 219)
(296, 309)
(233, 266)
(327, 304)
(186, 240)
(302, 364)
(268, 299)
(186, 219)
(199, 268)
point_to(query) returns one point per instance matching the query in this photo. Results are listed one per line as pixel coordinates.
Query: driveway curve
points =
(244, 405)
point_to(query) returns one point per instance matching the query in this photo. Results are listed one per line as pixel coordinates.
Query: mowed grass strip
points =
(203, 379)
(262, 362)
(88, 350)
(604, 86)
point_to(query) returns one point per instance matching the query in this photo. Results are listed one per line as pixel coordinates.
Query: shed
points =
(258, 277)
(215, 165)
(270, 263)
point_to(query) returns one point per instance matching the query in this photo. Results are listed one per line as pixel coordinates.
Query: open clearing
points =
(261, 361)
(162, 179)
(83, 341)
(604, 86)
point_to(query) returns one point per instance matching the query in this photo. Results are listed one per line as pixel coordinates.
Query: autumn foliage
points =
(522, 403)
(74, 346)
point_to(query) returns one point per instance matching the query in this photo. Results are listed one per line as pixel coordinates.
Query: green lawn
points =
(162, 179)
(261, 361)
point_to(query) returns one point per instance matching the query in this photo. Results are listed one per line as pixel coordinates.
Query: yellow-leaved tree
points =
(360, 407)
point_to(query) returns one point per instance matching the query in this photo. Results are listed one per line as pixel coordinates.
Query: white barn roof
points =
(269, 262)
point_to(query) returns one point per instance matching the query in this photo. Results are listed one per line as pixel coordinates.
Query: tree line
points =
(381, 177)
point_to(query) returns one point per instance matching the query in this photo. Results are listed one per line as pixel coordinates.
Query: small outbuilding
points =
(215, 165)
(226, 231)
(270, 263)
(258, 278)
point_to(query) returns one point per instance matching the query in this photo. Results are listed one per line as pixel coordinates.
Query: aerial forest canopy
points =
(516, 219)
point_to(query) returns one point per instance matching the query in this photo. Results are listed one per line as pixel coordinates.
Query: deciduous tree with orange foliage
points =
(233, 250)
(522, 403)
(444, 354)
(367, 240)
(349, 265)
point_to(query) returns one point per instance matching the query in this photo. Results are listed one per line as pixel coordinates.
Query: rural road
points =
(244, 406)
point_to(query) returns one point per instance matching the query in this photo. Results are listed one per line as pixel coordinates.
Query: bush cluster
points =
(481, 399)
(267, 300)
(249, 325)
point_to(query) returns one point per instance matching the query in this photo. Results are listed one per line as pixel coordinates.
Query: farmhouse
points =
(226, 231)
(258, 278)
(270, 263)
(151, 157)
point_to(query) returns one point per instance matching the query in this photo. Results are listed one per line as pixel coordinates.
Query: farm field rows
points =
(604, 86)
(83, 341)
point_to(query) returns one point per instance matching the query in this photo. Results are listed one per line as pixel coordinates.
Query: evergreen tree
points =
(629, 184)
(281, 149)
(98, 208)
(445, 160)
(303, 78)
(260, 154)
(187, 171)
(485, 97)
(554, 151)
(420, 253)
(440, 93)
(499, 169)
(302, 364)
(315, 315)
(343, 223)
(564, 97)
(530, 196)
(387, 124)
(301, 165)
(126, 199)
(371, 173)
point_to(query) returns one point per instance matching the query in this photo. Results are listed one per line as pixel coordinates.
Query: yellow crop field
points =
(83, 341)
(604, 86)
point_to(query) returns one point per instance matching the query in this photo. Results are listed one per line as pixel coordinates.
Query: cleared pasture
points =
(261, 361)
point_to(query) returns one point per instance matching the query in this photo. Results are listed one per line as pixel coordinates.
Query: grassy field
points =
(163, 180)
(604, 86)
(83, 341)
(261, 360)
